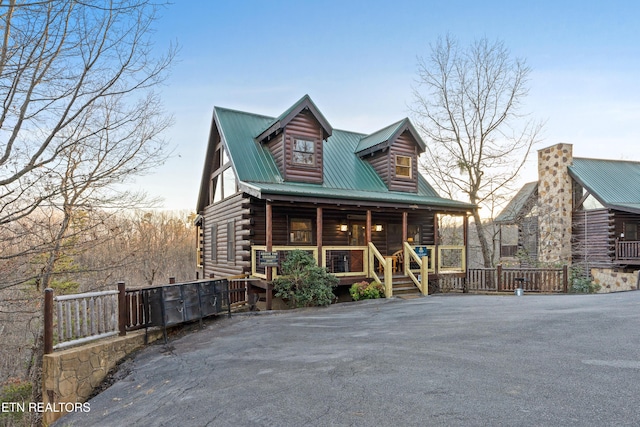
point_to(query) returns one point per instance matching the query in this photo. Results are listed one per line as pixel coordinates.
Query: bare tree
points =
(69, 71)
(78, 117)
(467, 104)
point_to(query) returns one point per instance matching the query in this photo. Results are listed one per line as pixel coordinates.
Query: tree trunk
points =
(34, 375)
(482, 237)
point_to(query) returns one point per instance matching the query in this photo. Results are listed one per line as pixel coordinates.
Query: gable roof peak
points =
(304, 103)
(383, 138)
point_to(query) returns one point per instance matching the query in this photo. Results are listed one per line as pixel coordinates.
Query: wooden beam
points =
(405, 226)
(48, 321)
(269, 226)
(436, 241)
(269, 244)
(319, 234)
(368, 229)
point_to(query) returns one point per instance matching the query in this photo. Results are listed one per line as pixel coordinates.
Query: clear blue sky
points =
(357, 61)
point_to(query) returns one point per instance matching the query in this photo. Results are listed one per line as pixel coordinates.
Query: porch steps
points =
(403, 287)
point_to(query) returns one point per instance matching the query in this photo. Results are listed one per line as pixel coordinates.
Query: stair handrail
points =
(387, 264)
(410, 254)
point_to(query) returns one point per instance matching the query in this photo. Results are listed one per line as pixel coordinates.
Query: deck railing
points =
(452, 258)
(261, 272)
(627, 250)
(81, 318)
(354, 261)
(345, 261)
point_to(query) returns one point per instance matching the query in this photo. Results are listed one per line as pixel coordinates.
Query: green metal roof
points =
(615, 183)
(378, 137)
(517, 205)
(383, 137)
(346, 176)
(284, 118)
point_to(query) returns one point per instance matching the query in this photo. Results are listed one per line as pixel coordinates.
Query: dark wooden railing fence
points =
(627, 251)
(76, 319)
(501, 279)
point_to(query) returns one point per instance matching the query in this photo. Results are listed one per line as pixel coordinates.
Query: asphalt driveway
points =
(449, 360)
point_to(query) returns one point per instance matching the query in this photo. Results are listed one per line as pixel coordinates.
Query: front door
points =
(357, 234)
(357, 237)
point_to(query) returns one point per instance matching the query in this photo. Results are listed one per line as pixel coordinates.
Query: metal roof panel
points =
(612, 182)
(345, 175)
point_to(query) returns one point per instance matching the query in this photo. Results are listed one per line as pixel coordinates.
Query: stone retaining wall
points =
(71, 375)
(614, 281)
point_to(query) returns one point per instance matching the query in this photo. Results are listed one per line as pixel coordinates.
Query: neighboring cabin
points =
(271, 185)
(585, 212)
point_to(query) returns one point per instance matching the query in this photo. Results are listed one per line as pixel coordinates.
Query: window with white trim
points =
(403, 166)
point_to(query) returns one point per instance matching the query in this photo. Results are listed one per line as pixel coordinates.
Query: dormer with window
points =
(393, 153)
(295, 139)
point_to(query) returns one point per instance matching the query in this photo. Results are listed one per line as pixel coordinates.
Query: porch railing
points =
(345, 261)
(452, 259)
(409, 255)
(628, 251)
(386, 264)
(261, 272)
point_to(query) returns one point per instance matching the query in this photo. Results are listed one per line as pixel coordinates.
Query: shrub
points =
(580, 283)
(366, 290)
(583, 285)
(303, 283)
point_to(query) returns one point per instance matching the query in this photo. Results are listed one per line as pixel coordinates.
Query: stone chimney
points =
(555, 203)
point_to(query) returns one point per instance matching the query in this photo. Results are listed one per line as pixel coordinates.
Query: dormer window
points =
(303, 152)
(403, 166)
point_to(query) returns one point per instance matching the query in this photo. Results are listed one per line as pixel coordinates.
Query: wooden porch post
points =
(123, 310)
(465, 237)
(319, 234)
(368, 231)
(48, 321)
(269, 244)
(405, 227)
(436, 241)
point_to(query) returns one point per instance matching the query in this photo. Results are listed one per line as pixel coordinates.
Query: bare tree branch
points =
(467, 105)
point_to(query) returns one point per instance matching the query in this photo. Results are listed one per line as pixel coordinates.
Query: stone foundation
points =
(71, 375)
(614, 281)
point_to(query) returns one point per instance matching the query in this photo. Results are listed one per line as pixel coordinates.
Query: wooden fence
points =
(501, 279)
(80, 318)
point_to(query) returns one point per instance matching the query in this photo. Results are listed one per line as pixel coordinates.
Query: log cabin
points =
(581, 211)
(357, 202)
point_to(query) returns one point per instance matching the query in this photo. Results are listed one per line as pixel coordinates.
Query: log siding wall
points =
(303, 126)
(276, 147)
(593, 241)
(405, 145)
(384, 163)
(381, 164)
(236, 210)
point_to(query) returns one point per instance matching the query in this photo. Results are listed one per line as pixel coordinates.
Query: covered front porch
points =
(384, 244)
